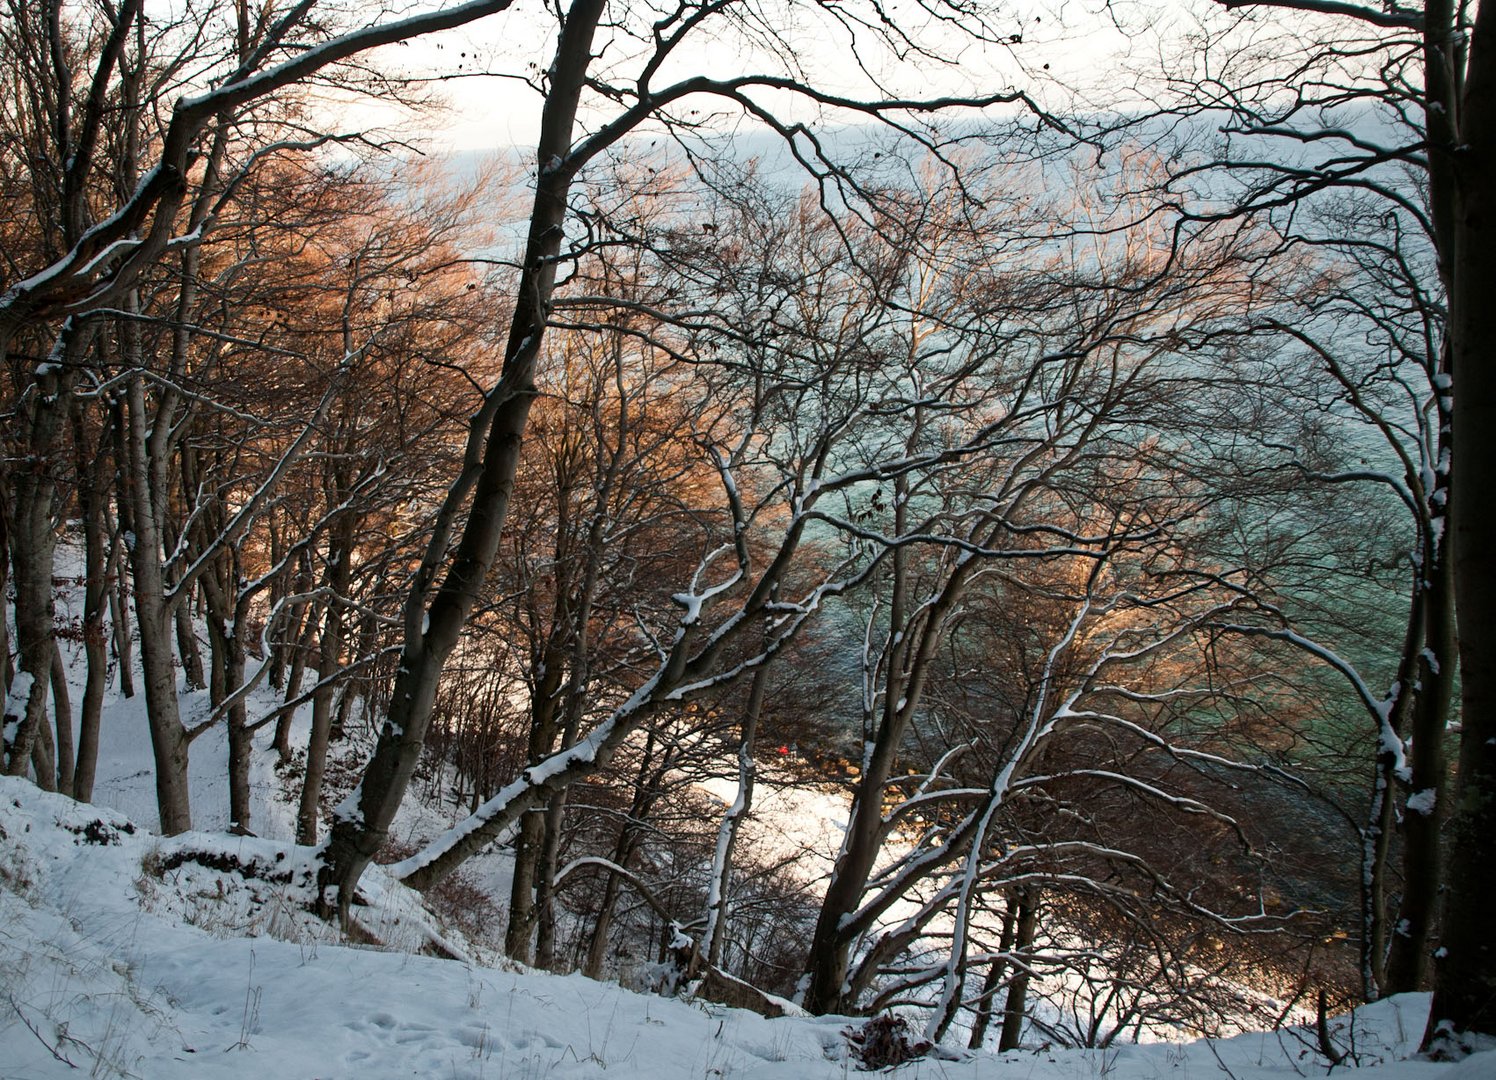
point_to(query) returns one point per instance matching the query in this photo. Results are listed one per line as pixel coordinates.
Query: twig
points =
(54, 1051)
(1211, 1043)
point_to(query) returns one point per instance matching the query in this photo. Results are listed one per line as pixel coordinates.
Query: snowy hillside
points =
(124, 954)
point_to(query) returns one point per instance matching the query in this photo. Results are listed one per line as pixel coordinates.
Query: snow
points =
(691, 602)
(1422, 802)
(185, 975)
(17, 696)
(117, 962)
(790, 821)
(107, 255)
(127, 954)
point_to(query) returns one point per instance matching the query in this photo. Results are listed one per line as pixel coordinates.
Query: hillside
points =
(123, 954)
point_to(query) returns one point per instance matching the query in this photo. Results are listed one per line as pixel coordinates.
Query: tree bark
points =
(914, 639)
(545, 883)
(307, 622)
(714, 937)
(93, 474)
(1465, 969)
(529, 841)
(431, 632)
(119, 542)
(44, 756)
(227, 613)
(1016, 1004)
(646, 790)
(153, 618)
(829, 958)
(62, 715)
(1381, 816)
(32, 539)
(1409, 955)
(330, 649)
(995, 973)
(597, 945)
(191, 653)
(7, 667)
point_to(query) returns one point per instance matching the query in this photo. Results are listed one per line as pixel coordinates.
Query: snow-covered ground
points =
(125, 954)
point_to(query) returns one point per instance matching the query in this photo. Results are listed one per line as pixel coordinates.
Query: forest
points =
(1063, 477)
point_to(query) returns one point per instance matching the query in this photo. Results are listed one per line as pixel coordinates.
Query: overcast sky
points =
(483, 67)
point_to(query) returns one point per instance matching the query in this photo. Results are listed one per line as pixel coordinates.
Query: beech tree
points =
(1358, 323)
(612, 488)
(1076, 380)
(903, 386)
(113, 190)
(633, 91)
(1424, 76)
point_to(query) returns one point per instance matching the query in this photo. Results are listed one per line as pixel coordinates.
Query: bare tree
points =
(94, 116)
(1423, 76)
(1078, 374)
(463, 547)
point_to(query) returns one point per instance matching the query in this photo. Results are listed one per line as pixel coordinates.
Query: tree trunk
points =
(330, 650)
(119, 551)
(1016, 1003)
(276, 675)
(308, 622)
(995, 974)
(714, 937)
(153, 618)
(33, 542)
(92, 493)
(575, 698)
(1409, 955)
(62, 713)
(229, 658)
(520, 933)
(190, 652)
(7, 668)
(29, 723)
(545, 883)
(1376, 847)
(44, 757)
(829, 959)
(913, 639)
(119, 620)
(431, 632)
(1381, 815)
(308, 811)
(646, 791)
(597, 947)
(1465, 969)
(529, 841)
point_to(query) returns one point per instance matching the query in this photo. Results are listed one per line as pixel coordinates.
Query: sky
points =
(1043, 48)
